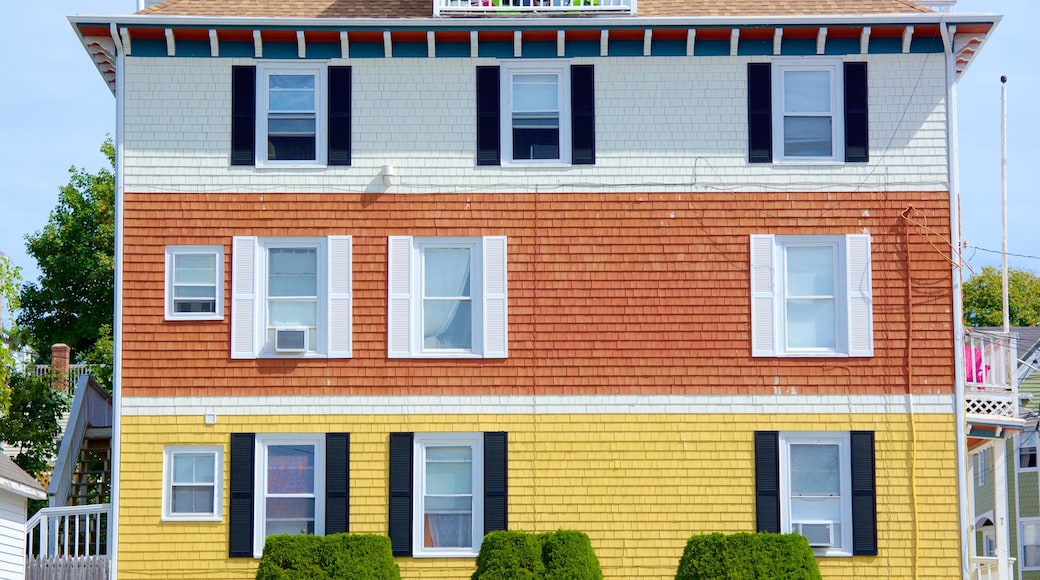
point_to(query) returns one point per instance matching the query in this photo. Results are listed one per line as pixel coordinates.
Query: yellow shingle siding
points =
(639, 485)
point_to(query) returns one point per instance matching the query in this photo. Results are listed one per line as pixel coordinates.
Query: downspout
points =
(117, 333)
(958, 315)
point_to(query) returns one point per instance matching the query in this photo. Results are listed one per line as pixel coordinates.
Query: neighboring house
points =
(432, 269)
(16, 488)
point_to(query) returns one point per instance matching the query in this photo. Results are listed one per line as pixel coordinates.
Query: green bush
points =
(559, 555)
(746, 556)
(334, 557)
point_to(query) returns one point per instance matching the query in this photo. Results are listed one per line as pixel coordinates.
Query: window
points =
(446, 491)
(291, 297)
(1026, 450)
(286, 484)
(811, 296)
(819, 485)
(447, 297)
(288, 114)
(191, 488)
(1031, 543)
(194, 283)
(536, 113)
(813, 109)
(981, 464)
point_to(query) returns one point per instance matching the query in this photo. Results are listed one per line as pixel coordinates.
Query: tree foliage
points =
(983, 298)
(10, 276)
(30, 425)
(75, 251)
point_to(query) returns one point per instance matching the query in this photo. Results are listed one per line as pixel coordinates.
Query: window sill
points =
(170, 318)
(277, 166)
(804, 162)
(831, 553)
(547, 165)
(192, 518)
(445, 554)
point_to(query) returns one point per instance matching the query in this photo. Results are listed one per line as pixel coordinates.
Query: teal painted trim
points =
(539, 49)
(281, 50)
(625, 48)
(797, 47)
(668, 47)
(235, 48)
(324, 50)
(193, 48)
(841, 46)
(148, 47)
(495, 48)
(410, 49)
(452, 49)
(581, 48)
(926, 45)
(366, 50)
(755, 47)
(885, 46)
(711, 47)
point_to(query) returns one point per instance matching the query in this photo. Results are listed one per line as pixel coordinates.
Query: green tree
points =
(30, 425)
(983, 298)
(10, 276)
(75, 251)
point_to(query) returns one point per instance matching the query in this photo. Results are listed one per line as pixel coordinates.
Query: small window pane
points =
(196, 499)
(290, 469)
(811, 324)
(193, 468)
(815, 469)
(289, 515)
(449, 530)
(808, 137)
(292, 272)
(810, 271)
(807, 91)
(291, 93)
(536, 92)
(1031, 543)
(446, 272)
(449, 477)
(189, 292)
(285, 314)
(1027, 457)
(194, 269)
(815, 509)
(448, 324)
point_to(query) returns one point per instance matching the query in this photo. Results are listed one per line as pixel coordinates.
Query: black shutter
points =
(583, 115)
(401, 493)
(339, 115)
(767, 481)
(496, 485)
(337, 483)
(857, 140)
(760, 113)
(240, 504)
(864, 496)
(488, 105)
(243, 115)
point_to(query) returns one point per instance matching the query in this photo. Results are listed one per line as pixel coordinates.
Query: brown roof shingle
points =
(424, 8)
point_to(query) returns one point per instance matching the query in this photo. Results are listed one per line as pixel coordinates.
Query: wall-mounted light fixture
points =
(388, 175)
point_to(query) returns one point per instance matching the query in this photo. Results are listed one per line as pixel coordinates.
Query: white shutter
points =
(340, 293)
(495, 298)
(399, 291)
(763, 324)
(243, 297)
(859, 294)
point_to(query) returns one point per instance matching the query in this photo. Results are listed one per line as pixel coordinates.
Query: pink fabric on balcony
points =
(974, 372)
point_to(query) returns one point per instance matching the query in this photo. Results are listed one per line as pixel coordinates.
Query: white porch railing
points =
(518, 7)
(75, 371)
(987, 568)
(68, 532)
(989, 374)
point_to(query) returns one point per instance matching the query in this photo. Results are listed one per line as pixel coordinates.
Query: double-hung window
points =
(536, 113)
(807, 110)
(446, 491)
(290, 114)
(194, 282)
(291, 297)
(290, 487)
(1027, 450)
(1030, 543)
(447, 297)
(811, 295)
(820, 485)
(192, 482)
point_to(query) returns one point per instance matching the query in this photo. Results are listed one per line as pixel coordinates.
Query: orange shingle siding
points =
(608, 293)
(424, 9)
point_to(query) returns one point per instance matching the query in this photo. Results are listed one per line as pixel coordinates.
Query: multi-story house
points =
(432, 269)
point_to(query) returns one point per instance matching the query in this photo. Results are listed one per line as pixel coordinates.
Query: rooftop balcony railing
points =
(532, 7)
(989, 374)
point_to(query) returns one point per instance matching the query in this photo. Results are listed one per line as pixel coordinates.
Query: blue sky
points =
(57, 111)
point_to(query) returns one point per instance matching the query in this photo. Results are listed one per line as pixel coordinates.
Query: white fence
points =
(69, 532)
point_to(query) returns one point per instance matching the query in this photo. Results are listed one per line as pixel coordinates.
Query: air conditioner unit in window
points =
(819, 534)
(290, 340)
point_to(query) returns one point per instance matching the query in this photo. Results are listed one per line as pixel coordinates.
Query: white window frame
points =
(487, 291)
(1028, 440)
(980, 467)
(853, 295)
(421, 442)
(217, 252)
(834, 67)
(508, 71)
(264, 70)
(844, 544)
(263, 442)
(1035, 522)
(249, 283)
(169, 454)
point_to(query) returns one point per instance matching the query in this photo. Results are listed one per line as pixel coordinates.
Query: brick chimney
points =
(60, 365)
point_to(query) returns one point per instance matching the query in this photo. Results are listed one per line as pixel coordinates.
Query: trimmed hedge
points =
(747, 556)
(333, 557)
(559, 555)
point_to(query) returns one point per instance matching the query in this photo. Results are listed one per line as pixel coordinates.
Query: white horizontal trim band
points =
(541, 405)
